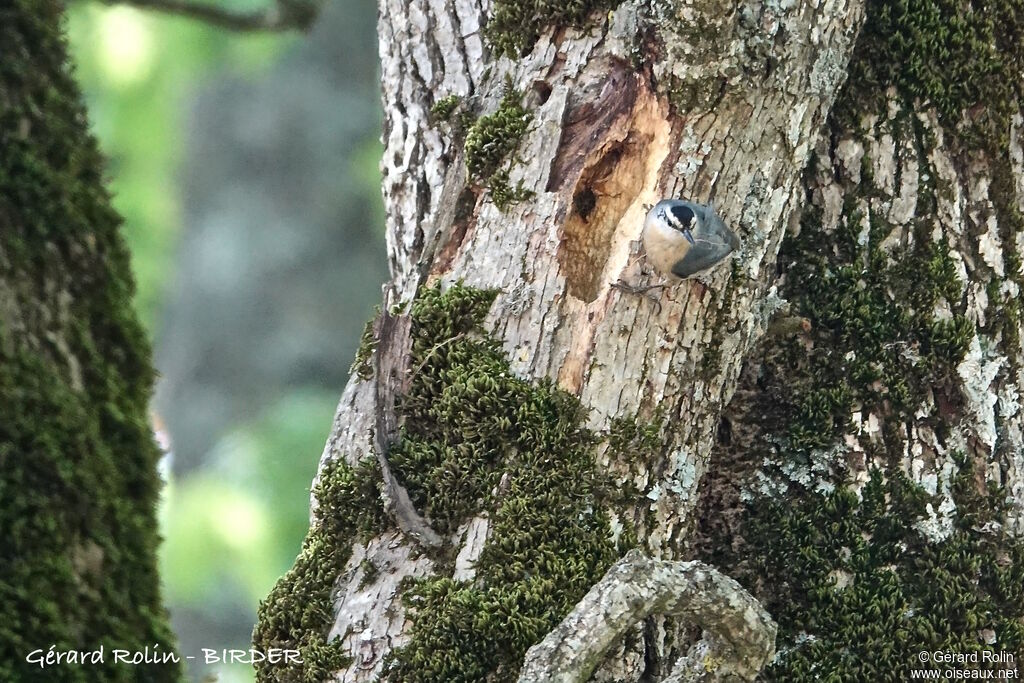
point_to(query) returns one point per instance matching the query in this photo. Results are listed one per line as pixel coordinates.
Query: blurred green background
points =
(245, 166)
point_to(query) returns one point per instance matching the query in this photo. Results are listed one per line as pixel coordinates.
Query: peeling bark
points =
(391, 378)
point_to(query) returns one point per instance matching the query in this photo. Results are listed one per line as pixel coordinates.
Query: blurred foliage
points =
(241, 519)
(233, 526)
(137, 70)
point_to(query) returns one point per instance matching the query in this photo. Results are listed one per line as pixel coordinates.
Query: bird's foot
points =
(637, 289)
(624, 286)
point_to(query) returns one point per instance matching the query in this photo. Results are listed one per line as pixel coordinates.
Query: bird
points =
(684, 239)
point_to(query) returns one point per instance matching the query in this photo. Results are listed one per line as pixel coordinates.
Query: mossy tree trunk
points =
(78, 479)
(798, 420)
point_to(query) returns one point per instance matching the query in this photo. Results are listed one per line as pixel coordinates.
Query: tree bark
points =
(78, 478)
(522, 144)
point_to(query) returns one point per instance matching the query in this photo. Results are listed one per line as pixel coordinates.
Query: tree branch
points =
(739, 635)
(285, 15)
(392, 356)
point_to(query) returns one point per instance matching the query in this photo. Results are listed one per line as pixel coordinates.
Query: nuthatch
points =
(685, 239)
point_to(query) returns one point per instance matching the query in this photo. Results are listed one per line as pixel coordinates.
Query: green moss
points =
(952, 55)
(479, 439)
(492, 139)
(1005, 311)
(490, 142)
(515, 25)
(819, 414)
(362, 364)
(503, 194)
(631, 440)
(857, 589)
(879, 343)
(443, 108)
(711, 359)
(79, 484)
(1005, 315)
(298, 612)
(456, 112)
(370, 573)
(860, 591)
(633, 444)
(475, 439)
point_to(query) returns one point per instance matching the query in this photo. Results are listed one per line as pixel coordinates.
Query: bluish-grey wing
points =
(700, 257)
(714, 228)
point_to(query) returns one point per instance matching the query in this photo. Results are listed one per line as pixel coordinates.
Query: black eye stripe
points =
(680, 217)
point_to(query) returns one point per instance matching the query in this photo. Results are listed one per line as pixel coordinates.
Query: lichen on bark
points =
(79, 486)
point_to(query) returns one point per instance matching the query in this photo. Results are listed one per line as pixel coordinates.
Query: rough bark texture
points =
(78, 480)
(518, 160)
(874, 462)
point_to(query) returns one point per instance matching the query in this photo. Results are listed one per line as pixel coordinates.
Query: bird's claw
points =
(624, 286)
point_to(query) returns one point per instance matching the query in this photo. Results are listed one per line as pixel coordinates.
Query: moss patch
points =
(951, 54)
(879, 343)
(492, 138)
(859, 592)
(966, 60)
(298, 612)
(503, 194)
(857, 589)
(490, 142)
(479, 439)
(475, 439)
(515, 25)
(79, 484)
(443, 108)
(632, 446)
(362, 364)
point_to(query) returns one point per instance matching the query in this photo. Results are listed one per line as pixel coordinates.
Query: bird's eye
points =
(680, 217)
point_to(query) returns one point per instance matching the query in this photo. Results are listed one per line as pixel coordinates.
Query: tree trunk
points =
(551, 422)
(78, 479)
